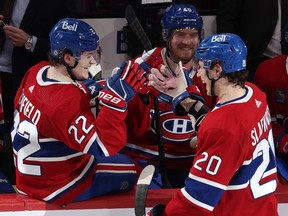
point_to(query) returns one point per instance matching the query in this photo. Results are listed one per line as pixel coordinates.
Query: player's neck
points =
(171, 63)
(59, 73)
(230, 92)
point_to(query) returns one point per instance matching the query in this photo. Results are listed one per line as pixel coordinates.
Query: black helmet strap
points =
(69, 69)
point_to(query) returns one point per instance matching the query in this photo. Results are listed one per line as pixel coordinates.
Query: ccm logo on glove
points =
(108, 97)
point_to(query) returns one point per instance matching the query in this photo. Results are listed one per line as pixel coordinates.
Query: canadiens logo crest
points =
(176, 128)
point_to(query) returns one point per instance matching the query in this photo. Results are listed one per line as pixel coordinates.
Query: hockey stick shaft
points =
(142, 189)
(137, 28)
(142, 36)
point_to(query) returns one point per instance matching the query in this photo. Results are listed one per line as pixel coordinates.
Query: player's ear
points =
(68, 58)
(218, 68)
(164, 36)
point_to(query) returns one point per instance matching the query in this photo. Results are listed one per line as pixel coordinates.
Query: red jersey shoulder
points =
(271, 71)
(52, 96)
(256, 91)
(36, 68)
(242, 110)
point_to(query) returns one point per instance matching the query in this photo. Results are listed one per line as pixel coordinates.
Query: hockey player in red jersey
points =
(272, 77)
(234, 170)
(181, 30)
(62, 153)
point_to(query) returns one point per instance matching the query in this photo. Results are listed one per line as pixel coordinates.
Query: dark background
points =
(149, 16)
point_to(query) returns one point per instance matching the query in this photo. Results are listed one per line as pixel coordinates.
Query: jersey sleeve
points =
(111, 129)
(72, 122)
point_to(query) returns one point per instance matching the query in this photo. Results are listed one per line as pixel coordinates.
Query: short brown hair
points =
(237, 77)
(58, 61)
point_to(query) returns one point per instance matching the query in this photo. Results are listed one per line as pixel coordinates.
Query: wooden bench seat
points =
(116, 204)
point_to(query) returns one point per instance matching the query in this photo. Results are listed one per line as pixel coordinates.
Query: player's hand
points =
(121, 87)
(166, 84)
(175, 88)
(157, 210)
(127, 80)
(17, 36)
(171, 83)
(92, 86)
(158, 84)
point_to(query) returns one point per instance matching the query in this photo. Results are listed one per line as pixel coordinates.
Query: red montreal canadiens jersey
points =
(234, 170)
(56, 138)
(272, 78)
(177, 131)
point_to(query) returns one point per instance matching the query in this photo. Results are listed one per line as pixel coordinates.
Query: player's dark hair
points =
(238, 77)
(58, 61)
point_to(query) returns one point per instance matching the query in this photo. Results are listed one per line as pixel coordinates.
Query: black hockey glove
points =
(199, 111)
(156, 210)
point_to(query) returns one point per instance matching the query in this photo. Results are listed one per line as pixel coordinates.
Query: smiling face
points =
(81, 71)
(183, 43)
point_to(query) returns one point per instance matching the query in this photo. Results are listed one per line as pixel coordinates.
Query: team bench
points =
(116, 204)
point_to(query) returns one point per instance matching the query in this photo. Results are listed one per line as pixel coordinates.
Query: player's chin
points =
(85, 74)
(186, 56)
(82, 75)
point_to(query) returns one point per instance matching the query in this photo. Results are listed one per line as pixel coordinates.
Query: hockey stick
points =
(140, 33)
(137, 27)
(142, 188)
